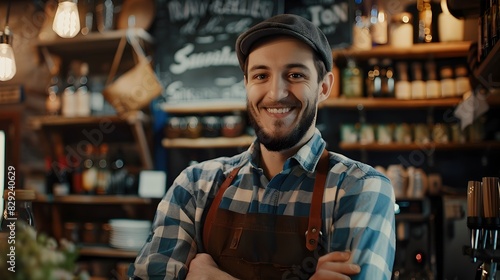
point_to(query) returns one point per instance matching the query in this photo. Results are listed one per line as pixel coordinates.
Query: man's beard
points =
(275, 143)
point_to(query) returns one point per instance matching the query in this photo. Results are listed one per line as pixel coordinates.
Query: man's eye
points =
(296, 75)
(260, 76)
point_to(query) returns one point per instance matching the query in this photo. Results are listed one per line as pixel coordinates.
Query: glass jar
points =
(401, 30)
(17, 208)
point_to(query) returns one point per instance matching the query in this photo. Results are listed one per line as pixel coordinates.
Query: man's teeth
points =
(278, 110)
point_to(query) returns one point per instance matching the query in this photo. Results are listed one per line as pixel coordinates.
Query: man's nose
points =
(278, 88)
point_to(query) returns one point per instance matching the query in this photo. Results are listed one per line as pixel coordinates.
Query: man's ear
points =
(326, 86)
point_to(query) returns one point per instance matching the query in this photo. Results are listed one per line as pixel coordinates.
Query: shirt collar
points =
(307, 156)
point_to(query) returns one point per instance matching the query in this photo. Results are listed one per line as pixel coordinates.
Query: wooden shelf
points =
(217, 106)
(94, 199)
(207, 143)
(38, 122)
(417, 51)
(105, 251)
(393, 103)
(394, 147)
(93, 41)
(388, 103)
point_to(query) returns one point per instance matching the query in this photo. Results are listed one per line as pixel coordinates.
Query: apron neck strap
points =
(212, 211)
(314, 228)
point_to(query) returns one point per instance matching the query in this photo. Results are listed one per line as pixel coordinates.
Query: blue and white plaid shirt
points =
(358, 209)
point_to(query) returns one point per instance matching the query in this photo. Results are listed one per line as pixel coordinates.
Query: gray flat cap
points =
(285, 24)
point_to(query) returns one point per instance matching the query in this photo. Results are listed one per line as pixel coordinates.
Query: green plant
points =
(27, 255)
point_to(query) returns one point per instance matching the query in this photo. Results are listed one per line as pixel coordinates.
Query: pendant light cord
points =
(8, 12)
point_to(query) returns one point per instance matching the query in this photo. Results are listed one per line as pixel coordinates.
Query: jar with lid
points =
(232, 126)
(401, 30)
(193, 127)
(211, 126)
(17, 208)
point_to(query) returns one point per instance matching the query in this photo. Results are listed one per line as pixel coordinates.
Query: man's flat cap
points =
(285, 24)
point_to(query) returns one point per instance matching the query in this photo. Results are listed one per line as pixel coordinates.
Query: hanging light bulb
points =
(7, 60)
(66, 21)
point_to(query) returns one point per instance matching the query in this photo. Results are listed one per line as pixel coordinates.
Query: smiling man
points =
(286, 208)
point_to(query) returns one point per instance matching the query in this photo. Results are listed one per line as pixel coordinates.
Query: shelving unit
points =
(427, 111)
(135, 121)
(131, 130)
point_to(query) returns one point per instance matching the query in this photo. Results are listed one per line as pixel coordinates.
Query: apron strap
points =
(215, 205)
(314, 228)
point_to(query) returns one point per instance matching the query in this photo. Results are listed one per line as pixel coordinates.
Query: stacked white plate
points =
(128, 234)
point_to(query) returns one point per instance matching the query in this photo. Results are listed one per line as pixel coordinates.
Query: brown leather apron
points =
(266, 246)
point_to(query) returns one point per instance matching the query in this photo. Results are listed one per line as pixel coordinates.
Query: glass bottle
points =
(402, 87)
(387, 79)
(82, 93)
(53, 101)
(352, 82)
(424, 21)
(69, 102)
(62, 183)
(104, 173)
(373, 82)
(448, 88)
(17, 208)
(105, 15)
(379, 25)
(417, 84)
(432, 85)
(89, 170)
(361, 37)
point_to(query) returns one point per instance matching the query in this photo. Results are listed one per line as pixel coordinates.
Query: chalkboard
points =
(197, 60)
(195, 53)
(334, 17)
